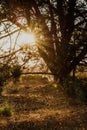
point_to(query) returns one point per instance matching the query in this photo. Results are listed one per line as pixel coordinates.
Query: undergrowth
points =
(6, 110)
(76, 88)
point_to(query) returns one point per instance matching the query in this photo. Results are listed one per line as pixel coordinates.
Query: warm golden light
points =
(27, 38)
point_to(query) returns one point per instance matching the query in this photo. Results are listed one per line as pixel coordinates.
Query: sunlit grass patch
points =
(81, 75)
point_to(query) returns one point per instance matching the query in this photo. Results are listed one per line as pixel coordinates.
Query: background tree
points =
(56, 24)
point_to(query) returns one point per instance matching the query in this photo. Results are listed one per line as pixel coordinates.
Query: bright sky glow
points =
(27, 38)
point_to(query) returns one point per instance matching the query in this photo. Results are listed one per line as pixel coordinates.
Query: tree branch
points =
(1, 57)
(10, 33)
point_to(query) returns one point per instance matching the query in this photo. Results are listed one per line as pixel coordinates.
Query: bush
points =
(6, 110)
(75, 88)
(68, 86)
(4, 75)
(16, 72)
(81, 91)
(8, 71)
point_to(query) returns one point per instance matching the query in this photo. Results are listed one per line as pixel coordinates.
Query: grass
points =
(81, 75)
(39, 105)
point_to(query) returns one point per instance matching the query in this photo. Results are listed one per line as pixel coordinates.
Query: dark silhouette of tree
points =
(60, 26)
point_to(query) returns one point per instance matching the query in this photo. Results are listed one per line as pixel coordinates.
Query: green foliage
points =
(68, 85)
(6, 110)
(7, 72)
(81, 89)
(16, 72)
(4, 75)
(76, 88)
(14, 90)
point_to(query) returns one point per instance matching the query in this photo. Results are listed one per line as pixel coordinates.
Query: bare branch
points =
(10, 33)
(4, 56)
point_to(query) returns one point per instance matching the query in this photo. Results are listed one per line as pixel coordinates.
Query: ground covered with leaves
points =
(37, 104)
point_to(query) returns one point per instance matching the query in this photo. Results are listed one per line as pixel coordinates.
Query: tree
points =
(56, 24)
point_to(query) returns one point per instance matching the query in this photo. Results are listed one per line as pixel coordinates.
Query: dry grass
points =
(40, 105)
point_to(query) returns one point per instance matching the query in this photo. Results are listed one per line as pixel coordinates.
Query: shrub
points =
(14, 90)
(6, 110)
(16, 72)
(75, 88)
(68, 86)
(81, 91)
(8, 71)
(4, 75)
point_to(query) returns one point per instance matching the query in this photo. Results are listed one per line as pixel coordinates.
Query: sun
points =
(27, 38)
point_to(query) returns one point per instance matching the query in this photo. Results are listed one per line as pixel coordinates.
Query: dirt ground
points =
(40, 105)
